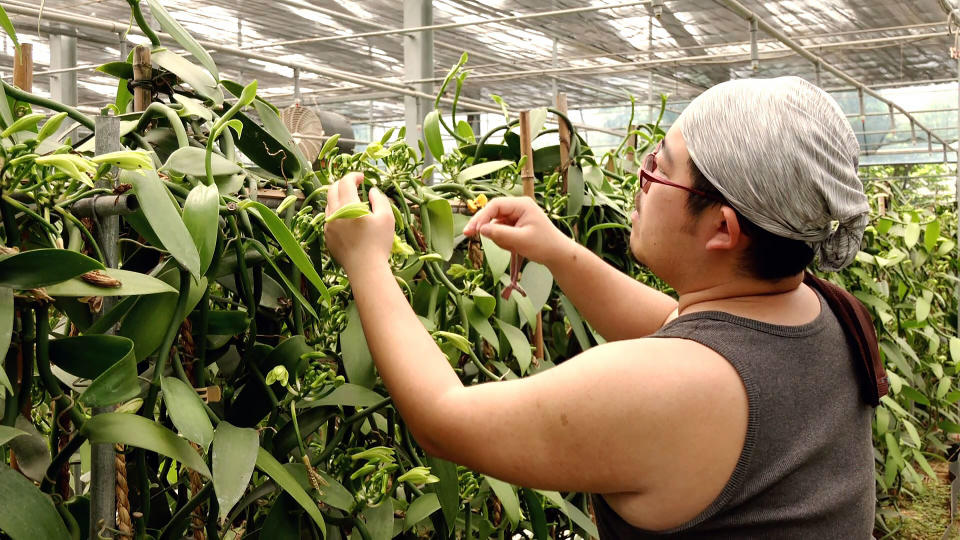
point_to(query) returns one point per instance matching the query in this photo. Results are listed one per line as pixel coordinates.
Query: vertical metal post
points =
(863, 120)
(296, 85)
(819, 69)
(554, 64)
(63, 54)
(417, 64)
(754, 50)
(103, 473)
(957, 187)
(650, 116)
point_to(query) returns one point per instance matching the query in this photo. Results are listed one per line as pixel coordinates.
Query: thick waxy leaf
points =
(508, 498)
(131, 283)
(190, 160)
(7, 433)
(200, 215)
(10, 31)
(441, 227)
(537, 282)
(109, 361)
(186, 410)
(42, 267)
(498, 259)
(193, 107)
(33, 454)
(575, 322)
(465, 131)
(574, 190)
(482, 325)
(911, 234)
(538, 117)
(6, 331)
(346, 395)
(289, 245)
(447, 489)
(421, 509)
(357, 360)
(133, 430)
(263, 148)
(485, 303)
(198, 78)
(172, 27)
(574, 513)
(234, 457)
(226, 323)
(519, 345)
(930, 235)
(482, 169)
(538, 518)
(147, 321)
(120, 70)
(379, 520)
(923, 306)
(26, 512)
(276, 128)
(272, 468)
(431, 134)
(593, 176)
(164, 217)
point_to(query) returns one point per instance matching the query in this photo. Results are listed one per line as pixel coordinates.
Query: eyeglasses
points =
(648, 169)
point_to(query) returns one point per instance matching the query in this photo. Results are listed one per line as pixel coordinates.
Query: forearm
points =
(415, 371)
(616, 305)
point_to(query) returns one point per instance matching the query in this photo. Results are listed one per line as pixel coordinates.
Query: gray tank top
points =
(807, 466)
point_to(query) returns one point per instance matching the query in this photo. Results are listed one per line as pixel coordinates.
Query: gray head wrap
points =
(784, 155)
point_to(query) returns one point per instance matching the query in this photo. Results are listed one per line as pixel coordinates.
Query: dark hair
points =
(768, 257)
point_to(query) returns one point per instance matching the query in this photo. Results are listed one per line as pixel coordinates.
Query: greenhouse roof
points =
(595, 52)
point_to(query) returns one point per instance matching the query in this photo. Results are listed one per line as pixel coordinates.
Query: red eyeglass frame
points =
(649, 167)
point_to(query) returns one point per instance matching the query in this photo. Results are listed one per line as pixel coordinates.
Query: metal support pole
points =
(296, 85)
(417, 64)
(103, 473)
(553, 63)
(63, 55)
(650, 116)
(863, 119)
(957, 189)
(754, 50)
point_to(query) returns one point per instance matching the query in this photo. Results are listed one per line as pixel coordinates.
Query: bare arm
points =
(615, 304)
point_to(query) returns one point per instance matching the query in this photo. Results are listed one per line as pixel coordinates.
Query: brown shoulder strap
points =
(861, 334)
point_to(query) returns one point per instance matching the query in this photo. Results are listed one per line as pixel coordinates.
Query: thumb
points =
(505, 236)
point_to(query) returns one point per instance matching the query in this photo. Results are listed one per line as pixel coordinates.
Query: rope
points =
(196, 484)
(124, 523)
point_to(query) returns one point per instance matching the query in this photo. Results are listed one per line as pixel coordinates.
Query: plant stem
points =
(33, 99)
(166, 344)
(183, 513)
(142, 23)
(157, 109)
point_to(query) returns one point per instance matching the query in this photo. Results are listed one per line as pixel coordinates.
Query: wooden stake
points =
(142, 71)
(526, 149)
(23, 68)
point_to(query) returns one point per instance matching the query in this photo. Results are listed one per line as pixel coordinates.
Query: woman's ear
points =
(726, 233)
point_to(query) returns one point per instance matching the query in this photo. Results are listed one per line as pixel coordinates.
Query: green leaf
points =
(465, 131)
(379, 520)
(893, 353)
(498, 259)
(357, 361)
(508, 498)
(200, 215)
(262, 147)
(199, 79)
(6, 331)
(930, 236)
(538, 518)
(915, 395)
(576, 323)
(574, 190)
(276, 128)
(912, 431)
(7, 433)
(574, 513)
(441, 227)
(447, 489)
(486, 304)
(911, 234)
(431, 134)
(134, 430)
(482, 169)
(109, 361)
(420, 509)
(346, 395)
(538, 117)
(25, 123)
(923, 306)
(172, 27)
(482, 325)
(26, 512)
(289, 245)
(519, 345)
(186, 411)
(131, 283)
(946, 247)
(189, 160)
(283, 478)
(955, 349)
(42, 267)
(11, 33)
(164, 217)
(147, 321)
(537, 282)
(51, 126)
(234, 456)
(593, 176)
(293, 289)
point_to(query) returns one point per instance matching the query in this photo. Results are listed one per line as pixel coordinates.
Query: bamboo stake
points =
(527, 175)
(23, 68)
(142, 71)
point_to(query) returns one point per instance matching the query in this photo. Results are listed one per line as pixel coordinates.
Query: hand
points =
(517, 224)
(361, 241)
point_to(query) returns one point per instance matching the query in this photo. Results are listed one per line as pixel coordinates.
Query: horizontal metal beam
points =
(748, 15)
(444, 26)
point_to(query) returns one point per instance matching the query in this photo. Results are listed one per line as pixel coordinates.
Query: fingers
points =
(332, 199)
(380, 204)
(503, 209)
(347, 188)
(505, 236)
